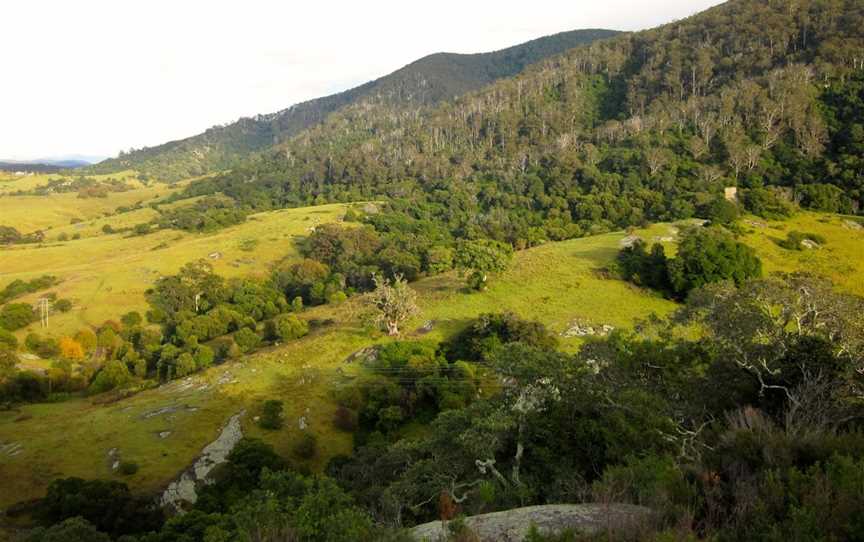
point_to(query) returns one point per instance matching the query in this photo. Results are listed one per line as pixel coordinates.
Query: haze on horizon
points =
(102, 76)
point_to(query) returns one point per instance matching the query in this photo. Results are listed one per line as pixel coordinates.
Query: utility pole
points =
(44, 307)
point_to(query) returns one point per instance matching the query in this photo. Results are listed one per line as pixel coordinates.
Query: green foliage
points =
(429, 80)
(247, 339)
(287, 327)
(113, 375)
(766, 203)
(795, 240)
(63, 305)
(490, 332)
(108, 505)
(722, 211)
(8, 361)
(14, 316)
(478, 259)
(8, 340)
(75, 529)
(271, 415)
(45, 347)
(707, 255)
(131, 319)
(640, 267)
(204, 215)
(18, 287)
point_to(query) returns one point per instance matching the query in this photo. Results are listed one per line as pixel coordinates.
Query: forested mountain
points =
(429, 80)
(644, 126)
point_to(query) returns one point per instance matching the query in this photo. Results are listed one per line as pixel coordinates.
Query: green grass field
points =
(106, 275)
(56, 211)
(556, 283)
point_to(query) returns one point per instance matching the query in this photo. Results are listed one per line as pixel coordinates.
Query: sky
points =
(93, 77)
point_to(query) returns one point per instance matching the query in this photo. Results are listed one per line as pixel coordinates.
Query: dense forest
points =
(429, 80)
(765, 96)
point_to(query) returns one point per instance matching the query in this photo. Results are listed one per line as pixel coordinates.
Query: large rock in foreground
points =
(513, 525)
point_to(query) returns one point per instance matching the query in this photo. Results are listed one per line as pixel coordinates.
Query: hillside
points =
(431, 79)
(556, 284)
(644, 126)
(560, 284)
(106, 274)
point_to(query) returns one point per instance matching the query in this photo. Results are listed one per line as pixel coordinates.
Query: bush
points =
(795, 240)
(128, 468)
(225, 348)
(345, 419)
(63, 305)
(271, 415)
(767, 203)
(131, 319)
(247, 339)
(722, 211)
(307, 447)
(17, 315)
(287, 327)
(707, 255)
(335, 298)
(8, 340)
(643, 268)
(113, 375)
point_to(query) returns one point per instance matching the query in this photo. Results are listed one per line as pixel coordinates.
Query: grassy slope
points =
(31, 213)
(554, 283)
(106, 276)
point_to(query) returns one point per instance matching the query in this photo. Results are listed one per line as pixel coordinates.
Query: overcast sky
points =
(96, 76)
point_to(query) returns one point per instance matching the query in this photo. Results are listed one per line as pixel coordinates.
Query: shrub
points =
(63, 237)
(795, 240)
(8, 340)
(87, 339)
(48, 348)
(722, 211)
(131, 319)
(16, 315)
(307, 447)
(707, 255)
(287, 327)
(335, 298)
(63, 305)
(113, 375)
(271, 415)
(345, 419)
(247, 339)
(766, 203)
(128, 468)
(225, 348)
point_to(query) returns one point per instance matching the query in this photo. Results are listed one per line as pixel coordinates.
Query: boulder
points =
(514, 525)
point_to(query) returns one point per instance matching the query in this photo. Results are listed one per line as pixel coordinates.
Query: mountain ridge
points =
(428, 80)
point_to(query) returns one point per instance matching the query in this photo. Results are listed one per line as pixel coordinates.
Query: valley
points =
(599, 285)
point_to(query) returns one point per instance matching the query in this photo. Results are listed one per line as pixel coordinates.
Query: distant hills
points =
(48, 165)
(430, 80)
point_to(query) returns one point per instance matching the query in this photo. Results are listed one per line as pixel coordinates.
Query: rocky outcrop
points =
(184, 488)
(514, 525)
